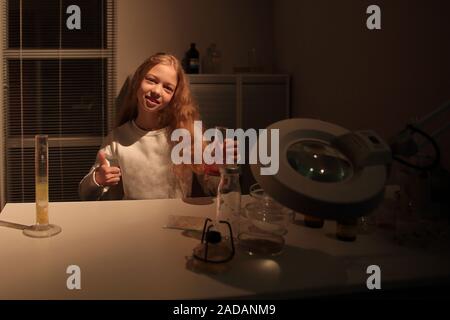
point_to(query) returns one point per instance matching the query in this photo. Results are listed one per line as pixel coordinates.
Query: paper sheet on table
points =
(185, 222)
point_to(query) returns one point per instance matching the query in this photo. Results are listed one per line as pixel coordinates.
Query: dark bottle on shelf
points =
(191, 61)
(313, 222)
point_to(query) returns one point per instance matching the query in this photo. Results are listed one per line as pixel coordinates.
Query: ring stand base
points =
(42, 231)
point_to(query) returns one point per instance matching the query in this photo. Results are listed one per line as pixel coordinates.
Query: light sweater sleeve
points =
(88, 187)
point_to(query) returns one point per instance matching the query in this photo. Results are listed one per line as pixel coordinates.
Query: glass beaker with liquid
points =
(264, 225)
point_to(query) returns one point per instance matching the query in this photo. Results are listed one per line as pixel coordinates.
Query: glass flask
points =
(229, 197)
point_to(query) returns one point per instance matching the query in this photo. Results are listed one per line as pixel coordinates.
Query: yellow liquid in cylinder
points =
(42, 203)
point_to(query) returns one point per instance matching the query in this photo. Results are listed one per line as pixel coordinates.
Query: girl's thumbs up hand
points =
(102, 159)
(104, 174)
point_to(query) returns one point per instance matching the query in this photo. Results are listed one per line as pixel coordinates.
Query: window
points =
(58, 79)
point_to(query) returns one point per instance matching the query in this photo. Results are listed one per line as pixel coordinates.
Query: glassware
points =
(191, 61)
(367, 224)
(258, 194)
(269, 204)
(346, 229)
(211, 182)
(254, 64)
(42, 228)
(313, 222)
(219, 137)
(113, 161)
(385, 214)
(263, 230)
(211, 62)
(229, 197)
(274, 219)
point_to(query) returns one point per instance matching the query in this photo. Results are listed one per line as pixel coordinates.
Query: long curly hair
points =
(181, 112)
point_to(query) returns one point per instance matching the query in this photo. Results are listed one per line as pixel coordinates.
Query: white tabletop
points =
(125, 253)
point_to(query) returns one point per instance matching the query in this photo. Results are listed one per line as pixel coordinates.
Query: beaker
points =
(264, 224)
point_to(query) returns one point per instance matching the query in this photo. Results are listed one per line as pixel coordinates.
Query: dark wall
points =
(344, 73)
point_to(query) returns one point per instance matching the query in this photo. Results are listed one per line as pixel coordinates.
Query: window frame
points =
(108, 53)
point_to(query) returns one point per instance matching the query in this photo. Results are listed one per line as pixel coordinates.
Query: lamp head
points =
(326, 170)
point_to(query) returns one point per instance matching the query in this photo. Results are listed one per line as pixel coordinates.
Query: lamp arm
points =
(437, 152)
(433, 114)
(430, 116)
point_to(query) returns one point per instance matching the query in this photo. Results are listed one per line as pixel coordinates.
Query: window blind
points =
(59, 79)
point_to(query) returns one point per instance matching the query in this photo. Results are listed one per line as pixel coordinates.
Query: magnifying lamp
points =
(326, 170)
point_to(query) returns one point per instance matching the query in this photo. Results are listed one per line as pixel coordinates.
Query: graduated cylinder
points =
(42, 228)
(41, 176)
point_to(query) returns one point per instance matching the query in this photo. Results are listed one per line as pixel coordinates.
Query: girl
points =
(135, 162)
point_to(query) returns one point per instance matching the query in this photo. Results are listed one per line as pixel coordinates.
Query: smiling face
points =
(157, 88)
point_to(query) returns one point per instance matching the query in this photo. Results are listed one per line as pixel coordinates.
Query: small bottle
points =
(313, 222)
(191, 61)
(229, 198)
(211, 62)
(252, 60)
(346, 229)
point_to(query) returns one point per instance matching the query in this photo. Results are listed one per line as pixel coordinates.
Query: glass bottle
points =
(346, 229)
(313, 222)
(229, 198)
(191, 61)
(252, 60)
(211, 62)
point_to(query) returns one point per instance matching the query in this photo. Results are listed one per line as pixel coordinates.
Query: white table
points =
(125, 253)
